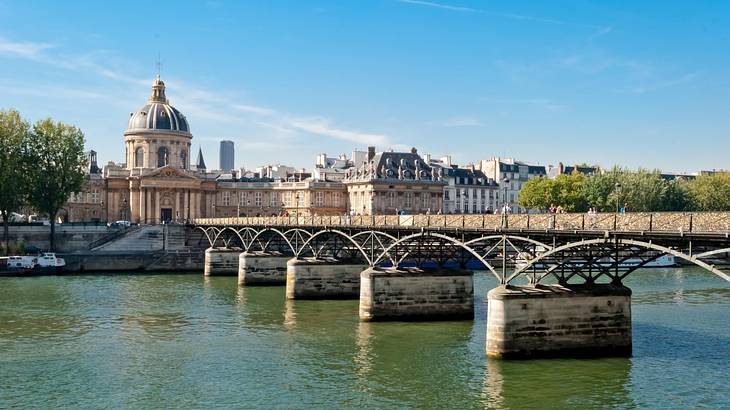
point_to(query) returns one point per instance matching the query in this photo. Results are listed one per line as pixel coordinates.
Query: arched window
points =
(139, 157)
(163, 157)
(183, 159)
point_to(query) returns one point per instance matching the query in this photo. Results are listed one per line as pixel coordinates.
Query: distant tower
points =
(227, 156)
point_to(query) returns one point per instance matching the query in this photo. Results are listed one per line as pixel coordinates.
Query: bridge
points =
(561, 275)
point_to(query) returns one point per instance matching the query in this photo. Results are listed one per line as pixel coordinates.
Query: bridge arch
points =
(339, 233)
(447, 238)
(647, 245)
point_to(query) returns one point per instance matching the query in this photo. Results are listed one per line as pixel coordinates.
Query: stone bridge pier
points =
(262, 268)
(416, 294)
(323, 278)
(221, 261)
(559, 321)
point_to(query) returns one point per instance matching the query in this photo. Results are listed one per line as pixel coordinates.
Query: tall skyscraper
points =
(227, 156)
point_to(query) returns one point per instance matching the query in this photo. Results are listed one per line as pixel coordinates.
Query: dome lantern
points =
(158, 114)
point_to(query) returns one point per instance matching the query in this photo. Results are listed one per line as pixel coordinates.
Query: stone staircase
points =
(175, 237)
(148, 238)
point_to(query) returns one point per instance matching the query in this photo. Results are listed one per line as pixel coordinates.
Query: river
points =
(184, 341)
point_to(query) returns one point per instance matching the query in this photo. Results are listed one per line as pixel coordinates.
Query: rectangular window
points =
(242, 196)
(319, 198)
(409, 199)
(257, 198)
(391, 199)
(424, 200)
(226, 198)
(286, 198)
(273, 200)
(446, 195)
(336, 199)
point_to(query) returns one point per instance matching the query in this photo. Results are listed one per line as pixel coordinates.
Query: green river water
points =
(183, 341)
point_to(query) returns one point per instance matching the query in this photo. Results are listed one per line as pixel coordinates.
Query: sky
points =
(636, 84)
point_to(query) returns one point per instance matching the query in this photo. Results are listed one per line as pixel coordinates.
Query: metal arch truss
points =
(509, 257)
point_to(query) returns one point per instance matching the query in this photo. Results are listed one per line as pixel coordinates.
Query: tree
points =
(568, 192)
(13, 177)
(711, 192)
(537, 193)
(56, 151)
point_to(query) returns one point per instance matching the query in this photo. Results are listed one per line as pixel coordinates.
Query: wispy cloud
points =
(459, 121)
(511, 16)
(24, 49)
(253, 109)
(658, 85)
(441, 6)
(322, 126)
(542, 103)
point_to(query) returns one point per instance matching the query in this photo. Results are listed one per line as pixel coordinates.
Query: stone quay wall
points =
(326, 278)
(413, 294)
(552, 320)
(262, 268)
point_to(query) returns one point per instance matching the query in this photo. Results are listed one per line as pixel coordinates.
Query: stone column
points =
(148, 206)
(134, 198)
(186, 204)
(414, 293)
(221, 262)
(143, 205)
(324, 278)
(262, 268)
(558, 321)
(156, 207)
(177, 210)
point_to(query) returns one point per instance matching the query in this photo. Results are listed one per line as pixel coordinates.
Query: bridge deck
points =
(667, 223)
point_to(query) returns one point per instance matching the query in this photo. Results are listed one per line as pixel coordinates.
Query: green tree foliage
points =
(57, 154)
(565, 191)
(642, 190)
(13, 175)
(711, 192)
(537, 194)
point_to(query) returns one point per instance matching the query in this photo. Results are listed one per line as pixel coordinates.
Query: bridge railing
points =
(695, 222)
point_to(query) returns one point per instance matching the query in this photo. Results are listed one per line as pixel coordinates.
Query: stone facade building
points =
(511, 175)
(390, 182)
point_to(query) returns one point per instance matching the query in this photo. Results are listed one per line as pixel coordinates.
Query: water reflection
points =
(599, 383)
(363, 358)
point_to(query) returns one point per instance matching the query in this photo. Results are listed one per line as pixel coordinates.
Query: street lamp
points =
(617, 189)
(505, 181)
(213, 209)
(296, 198)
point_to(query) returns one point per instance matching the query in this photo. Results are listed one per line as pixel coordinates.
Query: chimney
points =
(371, 153)
(414, 150)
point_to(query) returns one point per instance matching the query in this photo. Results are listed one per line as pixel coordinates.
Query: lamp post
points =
(504, 201)
(213, 209)
(124, 209)
(296, 198)
(616, 191)
(238, 206)
(103, 218)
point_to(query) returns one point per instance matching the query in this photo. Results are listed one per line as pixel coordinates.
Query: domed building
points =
(156, 182)
(157, 134)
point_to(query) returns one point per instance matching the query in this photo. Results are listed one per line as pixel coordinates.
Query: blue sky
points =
(629, 83)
